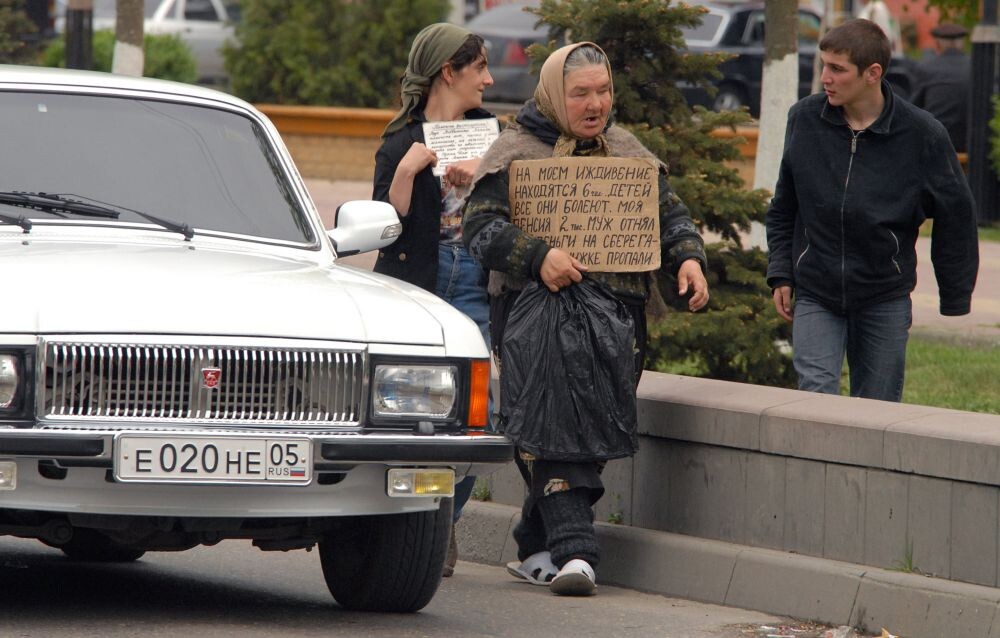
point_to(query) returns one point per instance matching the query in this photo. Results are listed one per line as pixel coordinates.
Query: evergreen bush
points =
(14, 26)
(166, 56)
(326, 52)
(740, 337)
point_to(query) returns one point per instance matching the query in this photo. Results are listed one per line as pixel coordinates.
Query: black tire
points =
(730, 97)
(388, 563)
(92, 546)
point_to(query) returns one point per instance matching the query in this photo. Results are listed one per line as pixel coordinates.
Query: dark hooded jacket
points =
(843, 223)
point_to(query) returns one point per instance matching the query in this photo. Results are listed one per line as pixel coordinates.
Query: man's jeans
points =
(874, 339)
(461, 282)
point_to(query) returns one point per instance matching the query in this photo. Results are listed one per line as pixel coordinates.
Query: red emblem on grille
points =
(210, 377)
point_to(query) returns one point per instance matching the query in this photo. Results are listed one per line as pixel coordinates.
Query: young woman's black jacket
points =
(843, 224)
(413, 257)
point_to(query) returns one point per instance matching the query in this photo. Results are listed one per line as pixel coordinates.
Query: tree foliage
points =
(14, 26)
(739, 337)
(326, 51)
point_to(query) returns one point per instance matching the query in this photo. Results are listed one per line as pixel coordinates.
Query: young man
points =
(861, 170)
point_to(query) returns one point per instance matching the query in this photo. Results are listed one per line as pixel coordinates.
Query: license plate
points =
(197, 459)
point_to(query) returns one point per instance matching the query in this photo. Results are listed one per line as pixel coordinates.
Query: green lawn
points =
(950, 375)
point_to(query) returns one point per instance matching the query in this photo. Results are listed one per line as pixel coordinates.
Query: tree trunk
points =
(128, 57)
(779, 91)
(779, 87)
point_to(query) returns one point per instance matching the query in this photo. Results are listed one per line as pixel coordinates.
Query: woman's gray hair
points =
(586, 55)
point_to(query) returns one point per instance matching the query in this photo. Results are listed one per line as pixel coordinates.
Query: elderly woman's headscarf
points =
(433, 46)
(550, 98)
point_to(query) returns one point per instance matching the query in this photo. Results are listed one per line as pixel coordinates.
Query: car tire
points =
(730, 97)
(92, 546)
(387, 563)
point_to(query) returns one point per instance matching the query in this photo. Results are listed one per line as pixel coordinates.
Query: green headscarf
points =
(433, 46)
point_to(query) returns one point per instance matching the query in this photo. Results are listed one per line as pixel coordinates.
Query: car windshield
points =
(106, 8)
(704, 32)
(208, 168)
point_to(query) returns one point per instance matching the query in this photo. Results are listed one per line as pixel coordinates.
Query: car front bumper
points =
(71, 471)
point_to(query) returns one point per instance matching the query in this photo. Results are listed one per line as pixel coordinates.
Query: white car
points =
(203, 25)
(183, 360)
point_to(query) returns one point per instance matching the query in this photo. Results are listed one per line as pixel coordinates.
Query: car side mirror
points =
(364, 225)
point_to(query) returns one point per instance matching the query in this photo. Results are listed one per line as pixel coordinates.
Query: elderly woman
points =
(446, 74)
(569, 116)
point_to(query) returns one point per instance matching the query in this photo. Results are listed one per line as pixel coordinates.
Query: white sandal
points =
(537, 569)
(576, 578)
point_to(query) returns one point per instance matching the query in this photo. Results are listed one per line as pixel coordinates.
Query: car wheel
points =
(93, 546)
(387, 563)
(730, 98)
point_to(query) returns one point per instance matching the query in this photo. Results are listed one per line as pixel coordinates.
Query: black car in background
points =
(738, 28)
(508, 30)
(728, 27)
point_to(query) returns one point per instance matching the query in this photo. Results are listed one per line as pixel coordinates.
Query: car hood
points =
(73, 287)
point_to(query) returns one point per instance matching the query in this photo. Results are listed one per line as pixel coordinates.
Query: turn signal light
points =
(479, 394)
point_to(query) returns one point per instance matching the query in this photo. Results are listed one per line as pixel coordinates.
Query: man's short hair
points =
(862, 40)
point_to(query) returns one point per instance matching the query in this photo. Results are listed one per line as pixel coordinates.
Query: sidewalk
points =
(983, 323)
(775, 582)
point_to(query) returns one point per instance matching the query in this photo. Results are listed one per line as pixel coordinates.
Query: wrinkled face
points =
(588, 100)
(841, 80)
(470, 82)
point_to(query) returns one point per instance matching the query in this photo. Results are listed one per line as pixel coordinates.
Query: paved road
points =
(235, 590)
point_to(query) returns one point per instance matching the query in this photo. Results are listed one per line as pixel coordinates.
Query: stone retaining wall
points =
(887, 485)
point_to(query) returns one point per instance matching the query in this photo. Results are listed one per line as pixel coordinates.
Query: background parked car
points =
(736, 28)
(203, 25)
(508, 30)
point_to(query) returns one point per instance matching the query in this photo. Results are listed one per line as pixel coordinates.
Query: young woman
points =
(445, 77)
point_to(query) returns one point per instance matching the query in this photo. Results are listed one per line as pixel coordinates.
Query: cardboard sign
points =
(602, 210)
(459, 140)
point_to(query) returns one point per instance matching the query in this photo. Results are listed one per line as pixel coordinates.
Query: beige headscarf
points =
(550, 98)
(433, 46)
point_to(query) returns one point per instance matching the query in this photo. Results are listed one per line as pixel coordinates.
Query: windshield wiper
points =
(59, 203)
(20, 220)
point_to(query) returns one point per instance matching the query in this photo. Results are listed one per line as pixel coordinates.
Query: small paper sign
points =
(459, 140)
(602, 210)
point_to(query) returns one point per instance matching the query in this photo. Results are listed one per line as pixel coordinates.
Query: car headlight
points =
(428, 391)
(10, 380)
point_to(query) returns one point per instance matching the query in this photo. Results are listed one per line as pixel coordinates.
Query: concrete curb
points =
(763, 580)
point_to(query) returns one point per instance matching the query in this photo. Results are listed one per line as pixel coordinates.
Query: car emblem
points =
(210, 377)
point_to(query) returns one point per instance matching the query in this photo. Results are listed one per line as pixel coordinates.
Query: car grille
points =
(153, 382)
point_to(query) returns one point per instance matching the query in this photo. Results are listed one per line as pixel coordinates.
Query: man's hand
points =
(783, 302)
(560, 269)
(691, 277)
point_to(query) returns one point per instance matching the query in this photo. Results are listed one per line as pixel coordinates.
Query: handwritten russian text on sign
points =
(602, 210)
(459, 140)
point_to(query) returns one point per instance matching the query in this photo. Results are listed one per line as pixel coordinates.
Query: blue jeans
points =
(461, 281)
(874, 339)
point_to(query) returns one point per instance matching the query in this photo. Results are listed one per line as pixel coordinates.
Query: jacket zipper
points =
(803, 254)
(843, 231)
(896, 254)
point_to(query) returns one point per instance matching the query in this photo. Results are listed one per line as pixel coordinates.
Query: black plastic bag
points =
(567, 382)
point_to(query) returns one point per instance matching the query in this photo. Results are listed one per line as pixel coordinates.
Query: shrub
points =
(166, 56)
(338, 52)
(14, 26)
(741, 337)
